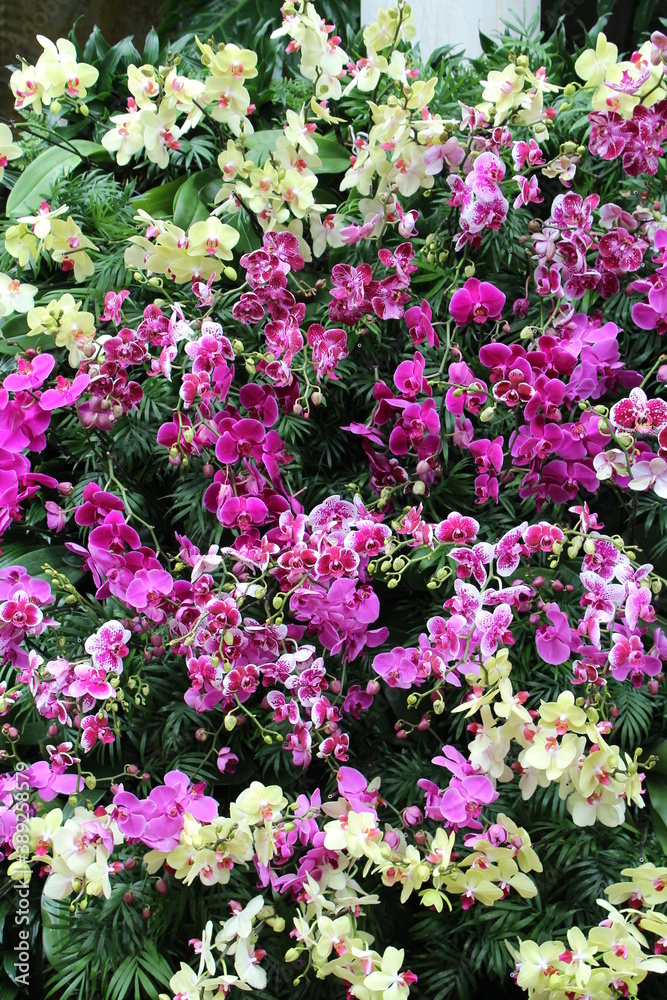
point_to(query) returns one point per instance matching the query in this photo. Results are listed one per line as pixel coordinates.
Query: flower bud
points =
(412, 816)
(497, 835)
(624, 439)
(487, 414)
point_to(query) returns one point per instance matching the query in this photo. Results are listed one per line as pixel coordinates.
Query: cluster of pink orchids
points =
(278, 629)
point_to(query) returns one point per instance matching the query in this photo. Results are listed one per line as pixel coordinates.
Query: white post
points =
(456, 22)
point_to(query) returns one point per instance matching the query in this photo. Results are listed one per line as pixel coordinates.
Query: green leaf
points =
(96, 47)
(159, 201)
(54, 930)
(192, 200)
(488, 45)
(124, 52)
(335, 158)
(152, 47)
(657, 790)
(32, 559)
(260, 144)
(659, 750)
(248, 238)
(10, 343)
(39, 176)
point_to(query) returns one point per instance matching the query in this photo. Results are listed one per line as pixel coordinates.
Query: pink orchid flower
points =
(478, 301)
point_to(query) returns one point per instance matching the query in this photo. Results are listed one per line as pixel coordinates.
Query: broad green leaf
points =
(152, 47)
(123, 52)
(96, 47)
(335, 158)
(10, 343)
(660, 830)
(657, 790)
(260, 144)
(193, 198)
(54, 929)
(25, 553)
(38, 177)
(159, 201)
(248, 238)
(659, 751)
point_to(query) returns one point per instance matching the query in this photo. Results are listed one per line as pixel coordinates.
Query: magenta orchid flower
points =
(478, 301)
(65, 392)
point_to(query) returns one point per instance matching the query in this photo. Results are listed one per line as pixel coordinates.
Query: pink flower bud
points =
(539, 581)
(653, 686)
(497, 835)
(65, 489)
(162, 886)
(412, 816)
(130, 864)
(335, 686)
(661, 374)
(372, 687)
(129, 898)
